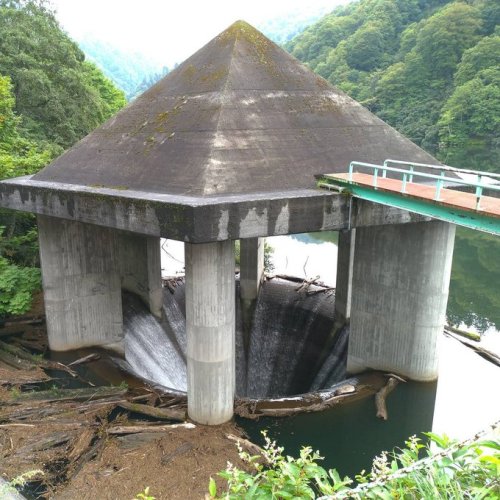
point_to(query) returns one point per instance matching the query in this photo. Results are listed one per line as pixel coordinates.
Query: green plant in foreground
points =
(19, 481)
(144, 495)
(450, 470)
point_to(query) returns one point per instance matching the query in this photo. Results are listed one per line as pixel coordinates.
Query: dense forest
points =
(50, 97)
(430, 68)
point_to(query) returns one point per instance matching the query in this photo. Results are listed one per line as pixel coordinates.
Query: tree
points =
(53, 85)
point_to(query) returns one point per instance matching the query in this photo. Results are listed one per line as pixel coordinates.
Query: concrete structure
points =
(399, 293)
(225, 147)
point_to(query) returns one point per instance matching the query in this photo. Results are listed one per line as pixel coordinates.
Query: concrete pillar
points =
(400, 285)
(210, 326)
(343, 287)
(81, 283)
(251, 267)
(140, 268)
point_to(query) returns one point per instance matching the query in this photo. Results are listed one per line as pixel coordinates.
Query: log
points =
(464, 333)
(245, 443)
(151, 411)
(91, 393)
(381, 396)
(489, 355)
(133, 429)
(86, 359)
(23, 354)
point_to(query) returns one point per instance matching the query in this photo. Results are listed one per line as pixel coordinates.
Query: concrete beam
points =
(140, 268)
(400, 285)
(251, 267)
(210, 326)
(198, 220)
(81, 284)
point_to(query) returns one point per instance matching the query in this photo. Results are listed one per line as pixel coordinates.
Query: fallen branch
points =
(69, 394)
(134, 429)
(381, 396)
(245, 443)
(151, 411)
(86, 359)
(489, 355)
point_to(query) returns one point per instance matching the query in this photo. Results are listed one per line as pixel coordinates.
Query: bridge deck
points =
(450, 198)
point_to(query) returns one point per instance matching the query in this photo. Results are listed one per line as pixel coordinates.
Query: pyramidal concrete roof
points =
(240, 116)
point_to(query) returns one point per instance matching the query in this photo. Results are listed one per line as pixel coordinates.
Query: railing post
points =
(350, 171)
(375, 176)
(439, 186)
(403, 189)
(479, 192)
(411, 174)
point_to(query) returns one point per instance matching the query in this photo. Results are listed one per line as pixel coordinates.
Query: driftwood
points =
(91, 393)
(381, 396)
(489, 355)
(463, 333)
(133, 429)
(245, 443)
(86, 359)
(27, 357)
(350, 390)
(150, 411)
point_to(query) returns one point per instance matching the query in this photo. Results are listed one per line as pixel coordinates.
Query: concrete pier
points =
(343, 287)
(400, 284)
(140, 268)
(81, 283)
(251, 267)
(210, 325)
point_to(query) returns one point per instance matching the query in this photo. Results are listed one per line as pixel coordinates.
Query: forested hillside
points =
(50, 97)
(430, 68)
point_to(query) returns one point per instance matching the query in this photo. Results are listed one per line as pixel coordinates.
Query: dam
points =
(226, 147)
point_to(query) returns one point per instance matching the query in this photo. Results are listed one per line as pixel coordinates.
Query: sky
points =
(167, 32)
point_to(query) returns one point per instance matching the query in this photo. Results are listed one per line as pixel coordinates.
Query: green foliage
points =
(17, 285)
(144, 495)
(450, 470)
(19, 482)
(57, 92)
(428, 68)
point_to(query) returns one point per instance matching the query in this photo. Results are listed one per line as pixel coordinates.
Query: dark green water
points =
(350, 436)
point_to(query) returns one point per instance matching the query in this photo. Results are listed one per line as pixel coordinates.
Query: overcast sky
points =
(166, 31)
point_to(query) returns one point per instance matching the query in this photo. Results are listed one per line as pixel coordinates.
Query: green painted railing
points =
(407, 172)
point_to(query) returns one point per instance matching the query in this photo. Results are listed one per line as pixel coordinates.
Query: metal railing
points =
(441, 179)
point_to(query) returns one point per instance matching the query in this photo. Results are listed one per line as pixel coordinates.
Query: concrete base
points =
(140, 268)
(400, 285)
(210, 326)
(81, 282)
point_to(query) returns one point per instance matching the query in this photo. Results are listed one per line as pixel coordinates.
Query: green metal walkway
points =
(436, 191)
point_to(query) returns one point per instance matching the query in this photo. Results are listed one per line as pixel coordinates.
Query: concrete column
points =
(140, 268)
(210, 325)
(251, 267)
(343, 287)
(400, 285)
(81, 283)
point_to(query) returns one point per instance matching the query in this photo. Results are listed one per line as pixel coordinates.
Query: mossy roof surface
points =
(239, 116)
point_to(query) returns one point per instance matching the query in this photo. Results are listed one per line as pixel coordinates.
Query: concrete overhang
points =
(198, 219)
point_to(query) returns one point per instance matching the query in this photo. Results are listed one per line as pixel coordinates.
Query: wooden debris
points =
(245, 443)
(150, 411)
(463, 333)
(489, 355)
(132, 429)
(86, 359)
(91, 393)
(381, 396)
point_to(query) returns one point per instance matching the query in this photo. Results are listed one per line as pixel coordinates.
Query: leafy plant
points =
(144, 495)
(450, 470)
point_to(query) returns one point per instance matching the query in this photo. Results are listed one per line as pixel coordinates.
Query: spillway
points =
(291, 347)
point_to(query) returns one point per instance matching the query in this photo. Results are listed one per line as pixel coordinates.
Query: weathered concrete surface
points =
(251, 267)
(198, 220)
(400, 285)
(140, 268)
(239, 116)
(210, 325)
(345, 267)
(81, 284)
